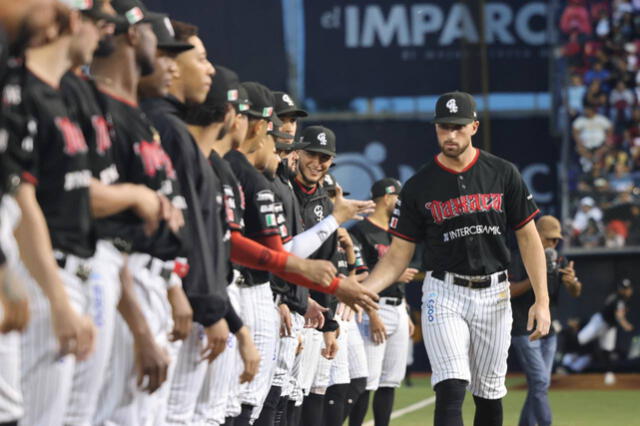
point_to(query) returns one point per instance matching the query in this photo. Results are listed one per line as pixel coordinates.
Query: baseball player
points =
(385, 332)
(141, 159)
(461, 204)
(60, 179)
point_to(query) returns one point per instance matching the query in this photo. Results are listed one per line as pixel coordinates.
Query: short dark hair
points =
(184, 31)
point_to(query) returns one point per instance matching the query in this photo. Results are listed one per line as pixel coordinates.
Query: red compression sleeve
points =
(274, 242)
(249, 253)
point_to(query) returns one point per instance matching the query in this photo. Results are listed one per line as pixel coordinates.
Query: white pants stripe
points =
(287, 346)
(467, 334)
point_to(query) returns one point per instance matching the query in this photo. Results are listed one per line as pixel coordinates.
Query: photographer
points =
(536, 357)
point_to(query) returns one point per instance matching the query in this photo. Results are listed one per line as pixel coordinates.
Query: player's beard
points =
(106, 46)
(454, 153)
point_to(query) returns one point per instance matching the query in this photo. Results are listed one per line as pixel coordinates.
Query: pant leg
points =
(11, 408)
(357, 357)
(46, 377)
(532, 361)
(374, 353)
(394, 365)
(339, 372)
(105, 288)
(594, 328)
(310, 358)
(287, 346)
(490, 333)
(445, 331)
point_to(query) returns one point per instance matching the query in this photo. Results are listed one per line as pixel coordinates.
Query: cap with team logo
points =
(91, 8)
(456, 108)
(166, 36)
(329, 183)
(261, 101)
(319, 139)
(134, 12)
(624, 283)
(385, 186)
(285, 105)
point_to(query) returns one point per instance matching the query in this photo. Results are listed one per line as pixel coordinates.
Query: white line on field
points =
(408, 409)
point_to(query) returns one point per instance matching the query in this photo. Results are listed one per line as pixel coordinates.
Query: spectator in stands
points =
(576, 93)
(592, 236)
(587, 211)
(591, 133)
(603, 26)
(621, 179)
(598, 72)
(634, 226)
(575, 18)
(621, 101)
(596, 97)
(621, 8)
(616, 234)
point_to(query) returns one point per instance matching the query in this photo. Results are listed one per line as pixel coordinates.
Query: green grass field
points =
(570, 407)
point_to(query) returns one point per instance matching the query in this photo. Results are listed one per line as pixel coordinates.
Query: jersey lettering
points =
(101, 129)
(442, 211)
(382, 249)
(154, 158)
(74, 142)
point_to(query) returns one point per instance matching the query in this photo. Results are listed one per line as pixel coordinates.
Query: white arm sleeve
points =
(305, 243)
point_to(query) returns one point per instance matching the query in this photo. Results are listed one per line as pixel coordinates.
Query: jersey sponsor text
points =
(471, 230)
(466, 204)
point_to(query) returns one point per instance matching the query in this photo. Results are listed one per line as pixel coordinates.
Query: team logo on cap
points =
(452, 105)
(80, 4)
(243, 107)
(232, 95)
(287, 100)
(267, 111)
(389, 189)
(322, 137)
(167, 23)
(134, 15)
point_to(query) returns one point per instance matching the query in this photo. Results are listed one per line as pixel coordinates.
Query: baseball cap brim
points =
(176, 47)
(553, 234)
(296, 112)
(320, 150)
(280, 135)
(453, 120)
(294, 146)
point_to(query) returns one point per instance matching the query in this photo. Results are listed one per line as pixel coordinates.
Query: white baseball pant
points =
(11, 408)
(358, 366)
(122, 402)
(339, 370)
(467, 333)
(387, 361)
(105, 289)
(47, 378)
(597, 327)
(309, 358)
(287, 346)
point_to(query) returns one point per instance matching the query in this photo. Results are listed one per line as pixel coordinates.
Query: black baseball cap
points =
(166, 36)
(133, 12)
(624, 283)
(456, 108)
(385, 186)
(91, 8)
(292, 146)
(329, 183)
(261, 100)
(285, 105)
(319, 139)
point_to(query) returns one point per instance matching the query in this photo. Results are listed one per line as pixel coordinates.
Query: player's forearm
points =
(130, 309)
(306, 243)
(107, 200)
(520, 287)
(534, 260)
(391, 266)
(36, 252)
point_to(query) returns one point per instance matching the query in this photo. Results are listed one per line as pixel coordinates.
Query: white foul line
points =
(408, 409)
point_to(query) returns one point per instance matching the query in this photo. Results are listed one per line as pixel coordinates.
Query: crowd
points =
(602, 47)
(170, 242)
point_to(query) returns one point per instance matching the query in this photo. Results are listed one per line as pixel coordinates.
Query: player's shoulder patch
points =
(265, 195)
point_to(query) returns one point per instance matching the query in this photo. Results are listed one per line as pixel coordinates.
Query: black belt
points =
(464, 282)
(165, 271)
(393, 301)
(83, 270)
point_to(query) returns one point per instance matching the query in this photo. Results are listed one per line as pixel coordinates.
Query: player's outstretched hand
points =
(285, 320)
(181, 312)
(319, 271)
(249, 354)
(540, 315)
(15, 304)
(330, 345)
(377, 328)
(408, 275)
(353, 294)
(314, 317)
(152, 364)
(344, 210)
(73, 332)
(217, 335)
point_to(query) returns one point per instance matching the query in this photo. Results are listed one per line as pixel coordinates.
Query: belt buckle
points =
(83, 271)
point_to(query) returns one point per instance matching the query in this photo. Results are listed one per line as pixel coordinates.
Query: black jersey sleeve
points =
(519, 205)
(406, 221)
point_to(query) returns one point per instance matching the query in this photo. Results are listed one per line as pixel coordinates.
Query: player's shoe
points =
(609, 378)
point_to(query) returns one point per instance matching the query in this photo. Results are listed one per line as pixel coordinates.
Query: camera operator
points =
(536, 357)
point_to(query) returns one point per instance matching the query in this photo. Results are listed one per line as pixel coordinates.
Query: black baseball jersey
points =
(259, 213)
(60, 169)
(296, 297)
(520, 305)
(464, 217)
(612, 304)
(315, 206)
(374, 242)
(140, 159)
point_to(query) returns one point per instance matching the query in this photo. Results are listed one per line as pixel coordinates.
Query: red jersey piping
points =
(527, 220)
(304, 188)
(404, 237)
(119, 98)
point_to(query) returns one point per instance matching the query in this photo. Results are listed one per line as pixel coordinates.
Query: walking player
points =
(461, 205)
